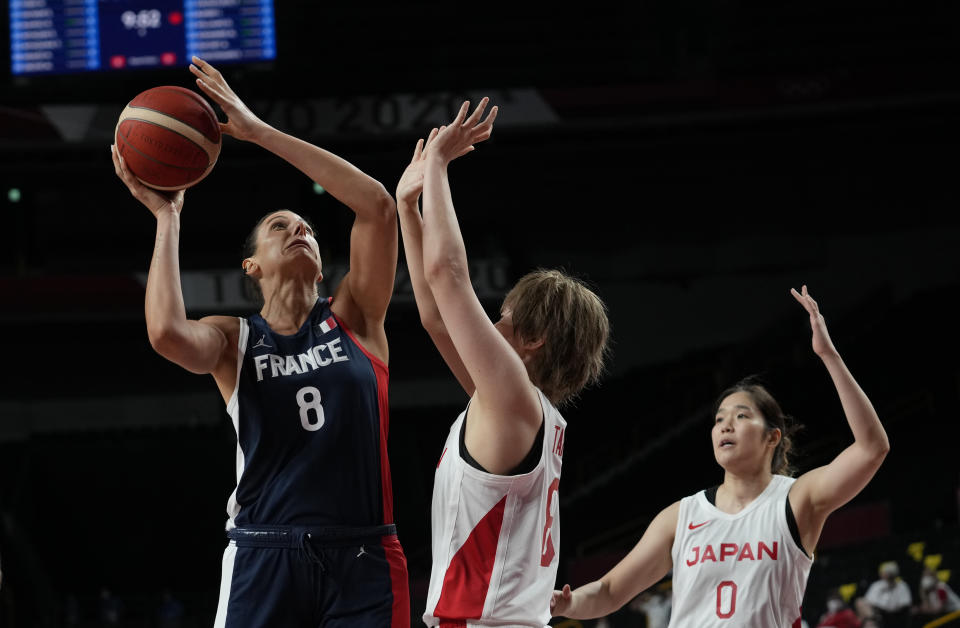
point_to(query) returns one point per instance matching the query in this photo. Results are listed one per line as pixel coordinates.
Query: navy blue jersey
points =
(310, 411)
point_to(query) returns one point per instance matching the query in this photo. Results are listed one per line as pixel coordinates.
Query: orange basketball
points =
(169, 137)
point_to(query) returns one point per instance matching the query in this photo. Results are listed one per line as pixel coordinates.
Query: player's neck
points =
(287, 305)
(739, 490)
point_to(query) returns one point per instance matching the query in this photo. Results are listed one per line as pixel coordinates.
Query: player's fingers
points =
(490, 117)
(418, 150)
(803, 300)
(462, 114)
(477, 113)
(567, 593)
(212, 90)
(124, 172)
(208, 69)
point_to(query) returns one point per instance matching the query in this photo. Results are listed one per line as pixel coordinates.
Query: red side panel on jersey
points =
(382, 372)
(399, 581)
(467, 578)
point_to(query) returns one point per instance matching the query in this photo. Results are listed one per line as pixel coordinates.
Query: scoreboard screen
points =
(49, 37)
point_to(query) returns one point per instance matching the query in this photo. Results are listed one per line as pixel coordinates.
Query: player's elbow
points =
(882, 448)
(381, 204)
(163, 338)
(170, 342)
(874, 451)
(445, 271)
(879, 445)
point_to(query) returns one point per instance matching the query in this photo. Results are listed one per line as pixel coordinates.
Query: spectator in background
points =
(71, 611)
(170, 611)
(936, 596)
(655, 605)
(890, 596)
(838, 614)
(111, 608)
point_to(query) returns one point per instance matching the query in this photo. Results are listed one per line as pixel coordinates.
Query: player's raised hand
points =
(241, 122)
(822, 345)
(410, 185)
(561, 601)
(156, 201)
(458, 137)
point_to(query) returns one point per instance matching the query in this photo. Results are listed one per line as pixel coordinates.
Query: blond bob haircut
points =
(571, 320)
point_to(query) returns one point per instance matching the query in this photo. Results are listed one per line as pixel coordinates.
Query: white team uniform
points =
(738, 570)
(495, 537)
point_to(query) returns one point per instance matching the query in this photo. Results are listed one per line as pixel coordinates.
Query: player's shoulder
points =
(670, 514)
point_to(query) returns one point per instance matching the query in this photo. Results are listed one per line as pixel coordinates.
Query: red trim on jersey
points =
(399, 581)
(383, 377)
(467, 579)
(453, 624)
(347, 329)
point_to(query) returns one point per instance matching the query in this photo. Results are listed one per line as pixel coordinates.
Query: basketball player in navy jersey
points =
(495, 512)
(312, 540)
(741, 552)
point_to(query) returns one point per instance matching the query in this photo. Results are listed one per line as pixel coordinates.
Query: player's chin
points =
(722, 456)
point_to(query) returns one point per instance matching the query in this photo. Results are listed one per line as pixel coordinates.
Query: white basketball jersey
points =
(495, 537)
(741, 570)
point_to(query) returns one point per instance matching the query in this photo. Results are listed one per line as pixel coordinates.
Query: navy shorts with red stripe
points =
(312, 577)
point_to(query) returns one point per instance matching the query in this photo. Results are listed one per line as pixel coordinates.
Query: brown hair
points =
(773, 416)
(572, 322)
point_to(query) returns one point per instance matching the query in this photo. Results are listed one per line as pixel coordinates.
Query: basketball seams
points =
(173, 136)
(204, 171)
(152, 116)
(154, 159)
(151, 96)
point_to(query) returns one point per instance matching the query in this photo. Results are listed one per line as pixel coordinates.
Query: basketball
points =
(169, 137)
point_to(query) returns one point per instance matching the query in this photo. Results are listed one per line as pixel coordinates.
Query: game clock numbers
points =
(142, 20)
(68, 36)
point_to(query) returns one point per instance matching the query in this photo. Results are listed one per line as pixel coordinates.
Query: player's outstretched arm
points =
(363, 296)
(648, 562)
(195, 345)
(344, 181)
(505, 412)
(820, 491)
(409, 190)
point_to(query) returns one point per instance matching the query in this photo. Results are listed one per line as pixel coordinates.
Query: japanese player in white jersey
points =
(495, 523)
(741, 553)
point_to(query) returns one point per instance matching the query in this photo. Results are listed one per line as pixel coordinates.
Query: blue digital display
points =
(68, 36)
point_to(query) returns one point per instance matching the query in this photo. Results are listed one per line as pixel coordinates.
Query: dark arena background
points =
(693, 160)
